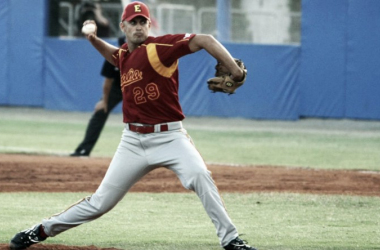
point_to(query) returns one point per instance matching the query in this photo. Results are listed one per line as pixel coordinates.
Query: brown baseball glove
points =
(223, 82)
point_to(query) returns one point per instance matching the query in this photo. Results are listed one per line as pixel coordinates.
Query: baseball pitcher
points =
(153, 135)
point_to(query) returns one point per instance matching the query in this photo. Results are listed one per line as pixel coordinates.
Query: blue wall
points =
(270, 91)
(22, 52)
(4, 27)
(340, 59)
(363, 60)
(72, 75)
(322, 74)
(334, 74)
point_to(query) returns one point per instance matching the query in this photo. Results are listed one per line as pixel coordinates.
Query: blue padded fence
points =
(333, 74)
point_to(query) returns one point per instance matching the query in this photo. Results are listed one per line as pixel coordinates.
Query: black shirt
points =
(111, 71)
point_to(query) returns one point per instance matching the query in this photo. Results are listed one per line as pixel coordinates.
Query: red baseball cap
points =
(135, 9)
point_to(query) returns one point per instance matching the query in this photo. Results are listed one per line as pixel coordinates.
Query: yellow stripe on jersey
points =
(120, 51)
(162, 44)
(157, 65)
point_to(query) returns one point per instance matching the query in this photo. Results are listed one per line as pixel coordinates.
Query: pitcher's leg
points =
(214, 206)
(126, 168)
(192, 171)
(86, 210)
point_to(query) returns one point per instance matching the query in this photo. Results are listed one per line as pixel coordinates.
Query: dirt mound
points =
(35, 173)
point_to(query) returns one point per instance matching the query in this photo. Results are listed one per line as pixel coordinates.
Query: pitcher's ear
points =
(121, 25)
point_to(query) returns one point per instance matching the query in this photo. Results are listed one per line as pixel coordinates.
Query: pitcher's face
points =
(136, 30)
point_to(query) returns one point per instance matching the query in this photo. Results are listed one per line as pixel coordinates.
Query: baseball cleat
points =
(80, 153)
(238, 244)
(26, 238)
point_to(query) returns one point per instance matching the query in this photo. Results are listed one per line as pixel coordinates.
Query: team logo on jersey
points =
(130, 77)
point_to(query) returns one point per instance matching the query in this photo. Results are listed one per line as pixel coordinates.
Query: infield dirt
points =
(39, 173)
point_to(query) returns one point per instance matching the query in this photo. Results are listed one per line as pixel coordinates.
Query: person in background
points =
(89, 10)
(111, 85)
(110, 99)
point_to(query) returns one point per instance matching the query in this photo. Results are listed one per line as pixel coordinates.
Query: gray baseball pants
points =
(137, 155)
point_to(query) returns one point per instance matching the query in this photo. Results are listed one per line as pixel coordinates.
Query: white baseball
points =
(88, 28)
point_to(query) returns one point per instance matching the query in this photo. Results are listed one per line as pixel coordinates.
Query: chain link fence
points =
(250, 21)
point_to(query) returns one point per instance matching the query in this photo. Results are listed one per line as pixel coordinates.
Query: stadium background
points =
(333, 72)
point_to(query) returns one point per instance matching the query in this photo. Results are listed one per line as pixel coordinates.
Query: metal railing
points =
(176, 18)
(70, 13)
(259, 26)
(66, 22)
(246, 26)
(113, 13)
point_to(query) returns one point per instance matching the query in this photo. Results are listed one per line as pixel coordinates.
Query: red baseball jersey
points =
(149, 79)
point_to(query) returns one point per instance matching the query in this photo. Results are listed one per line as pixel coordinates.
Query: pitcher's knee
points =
(100, 206)
(201, 179)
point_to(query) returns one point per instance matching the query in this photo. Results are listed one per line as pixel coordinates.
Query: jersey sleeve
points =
(117, 54)
(173, 47)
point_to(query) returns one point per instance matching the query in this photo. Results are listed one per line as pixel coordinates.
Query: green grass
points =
(290, 149)
(178, 221)
(325, 144)
(54, 137)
